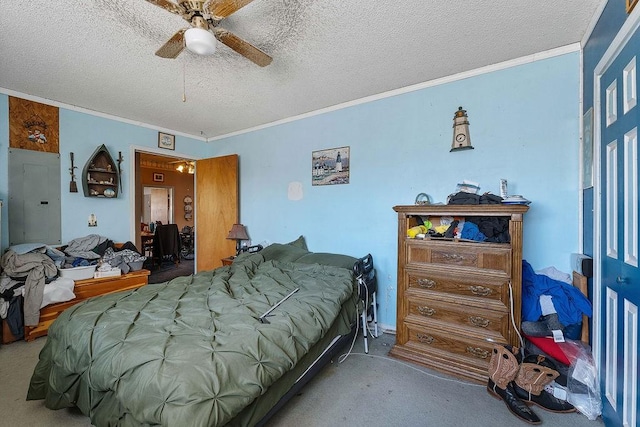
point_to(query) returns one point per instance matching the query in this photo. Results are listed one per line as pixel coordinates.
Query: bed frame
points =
(83, 289)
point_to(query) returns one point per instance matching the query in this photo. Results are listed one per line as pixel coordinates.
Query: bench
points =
(83, 289)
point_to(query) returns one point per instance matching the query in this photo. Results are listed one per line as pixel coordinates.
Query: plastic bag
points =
(583, 387)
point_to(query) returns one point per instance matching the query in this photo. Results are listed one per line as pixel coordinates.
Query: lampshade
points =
(191, 169)
(180, 168)
(200, 41)
(238, 232)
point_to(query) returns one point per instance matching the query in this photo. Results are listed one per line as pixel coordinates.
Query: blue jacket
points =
(568, 301)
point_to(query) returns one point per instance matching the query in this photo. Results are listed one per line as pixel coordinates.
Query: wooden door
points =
(217, 210)
(620, 275)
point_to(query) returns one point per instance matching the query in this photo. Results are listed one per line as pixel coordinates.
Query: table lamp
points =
(238, 233)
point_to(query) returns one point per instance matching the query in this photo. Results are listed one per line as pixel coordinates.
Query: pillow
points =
(300, 243)
(249, 257)
(335, 260)
(280, 252)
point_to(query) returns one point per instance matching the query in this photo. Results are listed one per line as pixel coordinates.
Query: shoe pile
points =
(521, 383)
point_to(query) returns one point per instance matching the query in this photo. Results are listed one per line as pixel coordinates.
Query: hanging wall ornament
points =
(461, 136)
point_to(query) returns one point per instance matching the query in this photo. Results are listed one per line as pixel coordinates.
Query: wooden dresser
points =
(453, 294)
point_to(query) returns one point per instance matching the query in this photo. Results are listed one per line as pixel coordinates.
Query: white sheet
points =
(59, 290)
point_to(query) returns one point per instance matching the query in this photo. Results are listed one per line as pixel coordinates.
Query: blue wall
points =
(524, 127)
(82, 133)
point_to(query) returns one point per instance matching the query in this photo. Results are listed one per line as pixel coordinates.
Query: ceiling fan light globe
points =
(200, 41)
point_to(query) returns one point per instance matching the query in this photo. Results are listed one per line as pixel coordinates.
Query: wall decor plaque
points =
(33, 126)
(331, 166)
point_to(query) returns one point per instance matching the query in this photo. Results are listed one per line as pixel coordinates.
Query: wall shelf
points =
(100, 176)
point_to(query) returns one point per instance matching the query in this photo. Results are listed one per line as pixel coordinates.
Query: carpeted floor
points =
(168, 270)
(364, 390)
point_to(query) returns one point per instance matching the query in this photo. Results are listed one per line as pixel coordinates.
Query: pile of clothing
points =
(25, 270)
(551, 303)
(477, 228)
(29, 275)
(96, 249)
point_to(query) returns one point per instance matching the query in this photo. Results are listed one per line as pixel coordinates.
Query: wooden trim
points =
(464, 210)
(580, 282)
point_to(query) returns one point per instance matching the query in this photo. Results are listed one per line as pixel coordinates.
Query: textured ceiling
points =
(99, 54)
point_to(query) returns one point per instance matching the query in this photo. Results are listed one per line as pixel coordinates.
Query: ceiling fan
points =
(205, 17)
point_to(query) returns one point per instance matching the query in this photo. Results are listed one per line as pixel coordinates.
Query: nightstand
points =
(228, 260)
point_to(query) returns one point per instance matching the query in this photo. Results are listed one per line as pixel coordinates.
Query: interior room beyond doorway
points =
(157, 205)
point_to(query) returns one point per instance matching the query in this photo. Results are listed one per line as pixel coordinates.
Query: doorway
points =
(159, 193)
(213, 202)
(157, 205)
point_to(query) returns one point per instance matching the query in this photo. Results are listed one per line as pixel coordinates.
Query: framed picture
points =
(587, 149)
(630, 5)
(330, 167)
(158, 177)
(167, 141)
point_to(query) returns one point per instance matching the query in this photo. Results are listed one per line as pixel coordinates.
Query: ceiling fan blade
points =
(170, 6)
(222, 8)
(245, 49)
(172, 48)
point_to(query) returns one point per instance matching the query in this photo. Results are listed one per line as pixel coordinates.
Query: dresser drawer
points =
(472, 350)
(427, 281)
(489, 257)
(429, 311)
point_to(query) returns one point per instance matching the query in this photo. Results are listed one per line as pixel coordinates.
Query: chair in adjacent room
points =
(166, 244)
(367, 287)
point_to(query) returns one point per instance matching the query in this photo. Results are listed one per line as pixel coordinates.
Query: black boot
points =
(536, 371)
(503, 369)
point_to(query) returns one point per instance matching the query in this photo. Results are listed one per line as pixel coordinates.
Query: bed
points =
(222, 347)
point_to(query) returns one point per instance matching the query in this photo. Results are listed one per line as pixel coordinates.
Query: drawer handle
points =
(453, 257)
(426, 311)
(426, 283)
(427, 339)
(478, 352)
(480, 291)
(478, 321)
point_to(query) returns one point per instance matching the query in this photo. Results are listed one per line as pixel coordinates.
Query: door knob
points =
(621, 280)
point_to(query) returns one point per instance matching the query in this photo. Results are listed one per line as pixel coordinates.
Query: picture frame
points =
(166, 141)
(330, 166)
(631, 4)
(158, 177)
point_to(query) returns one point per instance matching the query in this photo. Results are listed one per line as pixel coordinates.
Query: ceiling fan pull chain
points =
(184, 84)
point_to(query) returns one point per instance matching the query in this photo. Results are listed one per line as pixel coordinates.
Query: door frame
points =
(134, 224)
(630, 26)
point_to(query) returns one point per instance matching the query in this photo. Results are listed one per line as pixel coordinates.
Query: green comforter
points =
(190, 351)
